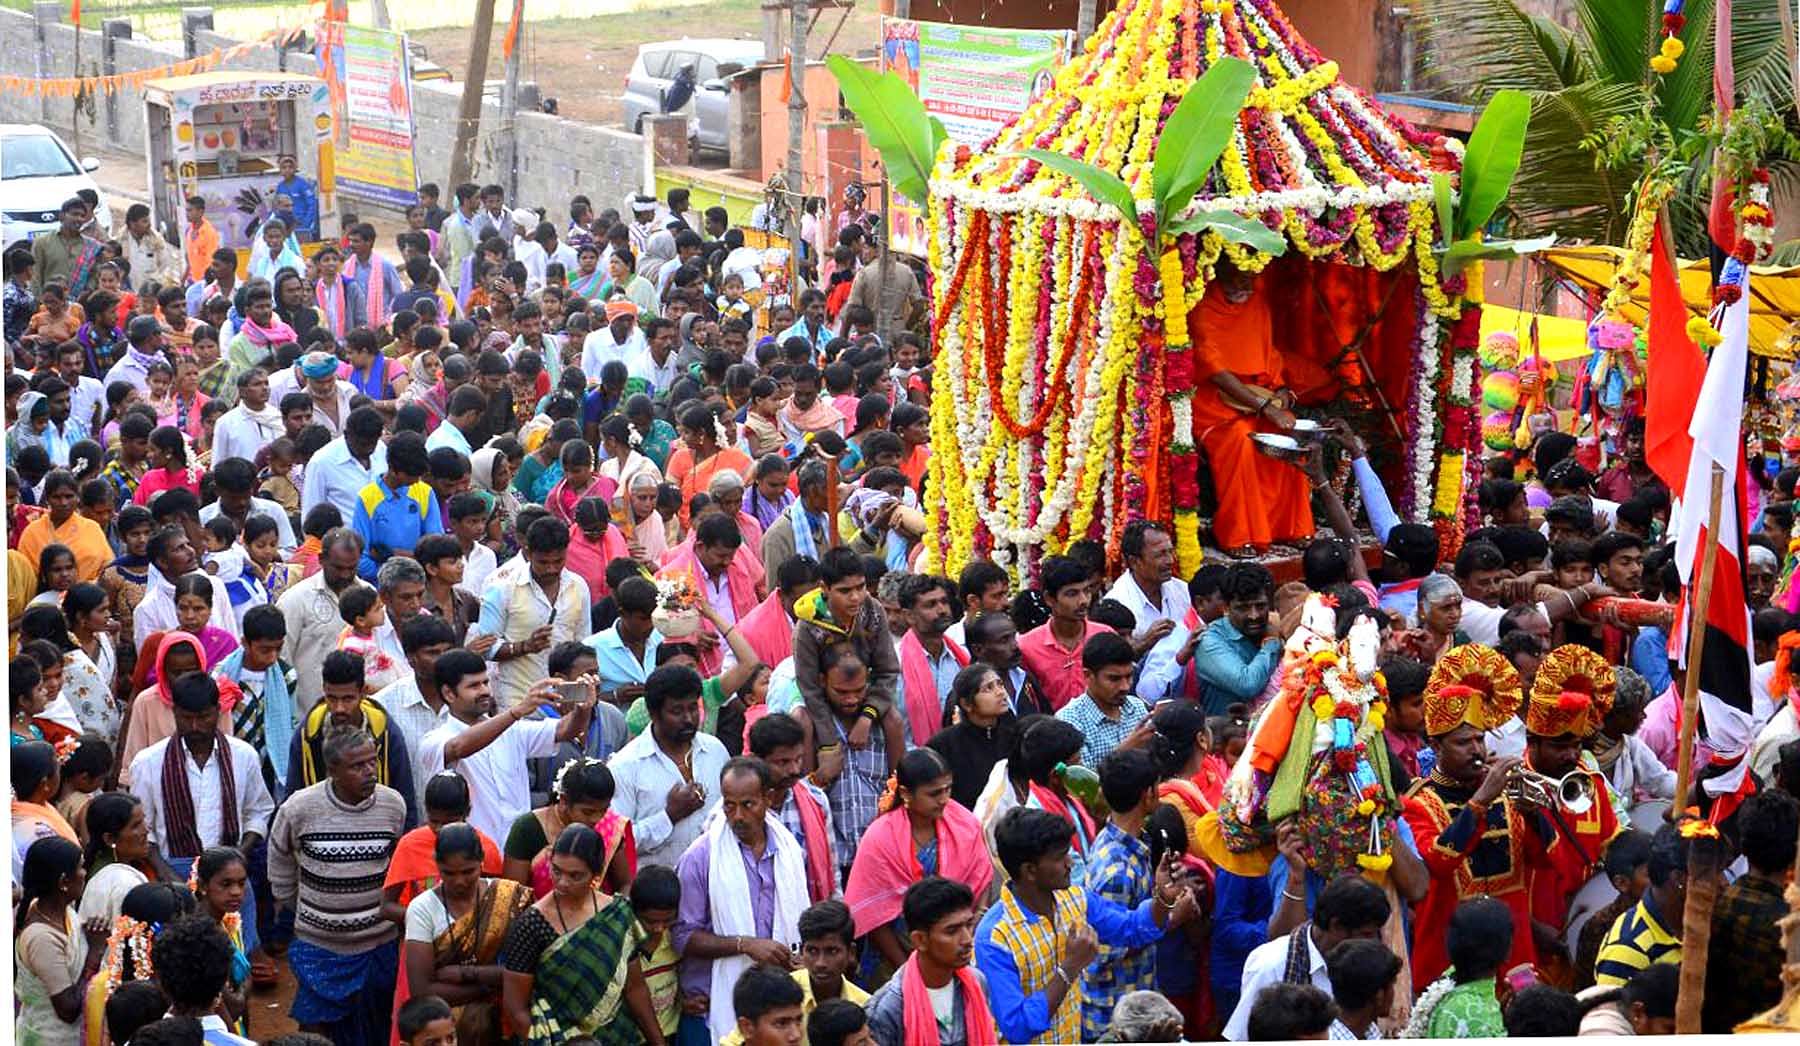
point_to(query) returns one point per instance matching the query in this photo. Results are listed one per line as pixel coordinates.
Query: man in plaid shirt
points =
(853, 778)
(1121, 872)
(1034, 943)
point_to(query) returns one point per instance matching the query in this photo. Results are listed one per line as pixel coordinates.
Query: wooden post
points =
(831, 500)
(883, 328)
(796, 152)
(509, 108)
(468, 113)
(1703, 884)
(1701, 595)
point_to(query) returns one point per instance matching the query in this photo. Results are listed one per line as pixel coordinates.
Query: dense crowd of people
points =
(523, 638)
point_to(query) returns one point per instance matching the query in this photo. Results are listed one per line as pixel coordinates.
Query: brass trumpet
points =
(1573, 792)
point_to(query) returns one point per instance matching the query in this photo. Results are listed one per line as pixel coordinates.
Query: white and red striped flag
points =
(1727, 720)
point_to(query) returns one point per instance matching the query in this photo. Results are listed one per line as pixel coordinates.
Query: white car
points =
(37, 173)
(710, 62)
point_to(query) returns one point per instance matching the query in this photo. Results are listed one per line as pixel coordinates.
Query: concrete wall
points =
(557, 157)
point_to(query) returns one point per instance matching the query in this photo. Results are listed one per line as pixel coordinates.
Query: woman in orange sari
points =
(584, 794)
(707, 448)
(454, 932)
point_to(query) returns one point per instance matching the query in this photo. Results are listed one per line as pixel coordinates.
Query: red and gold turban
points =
(1572, 693)
(1471, 684)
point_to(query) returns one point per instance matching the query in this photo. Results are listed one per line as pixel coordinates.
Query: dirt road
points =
(582, 63)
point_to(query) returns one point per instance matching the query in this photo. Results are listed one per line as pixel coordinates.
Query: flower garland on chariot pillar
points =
(1062, 402)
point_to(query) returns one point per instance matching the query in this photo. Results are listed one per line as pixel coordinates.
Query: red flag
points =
(512, 30)
(75, 14)
(1676, 371)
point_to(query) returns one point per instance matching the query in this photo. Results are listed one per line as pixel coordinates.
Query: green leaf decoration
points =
(1234, 228)
(938, 135)
(1462, 252)
(1100, 183)
(895, 122)
(1492, 158)
(1196, 133)
(1441, 193)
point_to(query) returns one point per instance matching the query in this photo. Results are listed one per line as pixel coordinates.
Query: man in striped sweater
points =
(328, 853)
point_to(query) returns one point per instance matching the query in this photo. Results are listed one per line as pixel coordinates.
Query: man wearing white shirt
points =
(528, 249)
(656, 363)
(619, 340)
(1480, 570)
(251, 425)
(469, 513)
(1348, 908)
(87, 397)
(346, 465)
(414, 712)
(1159, 601)
(491, 750)
(235, 479)
(172, 556)
(189, 811)
(669, 775)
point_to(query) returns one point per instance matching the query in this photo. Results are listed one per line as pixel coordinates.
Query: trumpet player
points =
(1473, 837)
(1569, 700)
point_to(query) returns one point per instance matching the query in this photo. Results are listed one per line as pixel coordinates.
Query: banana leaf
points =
(1102, 184)
(1234, 228)
(1462, 252)
(895, 122)
(1196, 133)
(1492, 159)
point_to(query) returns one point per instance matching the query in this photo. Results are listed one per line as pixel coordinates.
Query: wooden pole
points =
(796, 150)
(468, 113)
(509, 106)
(1701, 593)
(1702, 872)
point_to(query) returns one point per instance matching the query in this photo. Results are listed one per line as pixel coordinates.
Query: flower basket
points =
(676, 624)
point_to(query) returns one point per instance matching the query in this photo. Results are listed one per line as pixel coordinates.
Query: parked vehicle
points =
(37, 173)
(648, 84)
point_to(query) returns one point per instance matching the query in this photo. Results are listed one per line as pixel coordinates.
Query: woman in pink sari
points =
(170, 465)
(584, 793)
(921, 832)
(578, 482)
(647, 529)
(593, 543)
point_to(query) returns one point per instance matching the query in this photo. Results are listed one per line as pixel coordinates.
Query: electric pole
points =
(796, 159)
(468, 114)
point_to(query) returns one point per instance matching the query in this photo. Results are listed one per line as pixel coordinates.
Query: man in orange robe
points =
(1261, 499)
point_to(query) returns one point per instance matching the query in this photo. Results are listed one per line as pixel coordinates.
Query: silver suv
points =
(655, 71)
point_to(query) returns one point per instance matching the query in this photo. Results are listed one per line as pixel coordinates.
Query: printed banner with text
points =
(973, 79)
(371, 96)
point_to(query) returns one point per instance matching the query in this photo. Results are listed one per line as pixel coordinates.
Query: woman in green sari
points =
(570, 961)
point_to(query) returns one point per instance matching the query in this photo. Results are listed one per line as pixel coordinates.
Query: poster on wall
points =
(974, 79)
(370, 80)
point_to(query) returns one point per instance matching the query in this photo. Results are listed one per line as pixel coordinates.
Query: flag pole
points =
(1701, 595)
(1702, 883)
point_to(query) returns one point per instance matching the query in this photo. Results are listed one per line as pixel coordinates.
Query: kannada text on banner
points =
(974, 79)
(371, 88)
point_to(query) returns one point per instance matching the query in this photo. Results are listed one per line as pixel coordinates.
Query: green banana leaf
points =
(1462, 252)
(1492, 158)
(895, 122)
(1441, 193)
(1102, 184)
(1234, 228)
(1196, 133)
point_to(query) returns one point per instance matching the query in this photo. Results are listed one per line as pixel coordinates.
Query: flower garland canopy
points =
(1062, 406)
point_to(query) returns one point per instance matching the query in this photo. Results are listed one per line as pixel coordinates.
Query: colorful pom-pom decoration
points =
(1500, 351)
(1500, 390)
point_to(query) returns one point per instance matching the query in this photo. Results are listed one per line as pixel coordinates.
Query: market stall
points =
(218, 135)
(1064, 406)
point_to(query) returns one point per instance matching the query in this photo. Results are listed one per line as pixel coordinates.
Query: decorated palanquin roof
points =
(1312, 154)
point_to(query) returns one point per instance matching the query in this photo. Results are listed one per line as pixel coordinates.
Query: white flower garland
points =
(1423, 442)
(1420, 1022)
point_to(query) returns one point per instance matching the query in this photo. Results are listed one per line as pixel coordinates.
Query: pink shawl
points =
(924, 708)
(821, 870)
(376, 302)
(738, 579)
(767, 630)
(589, 560)
(561, 500)
(886, 865)
(918, 1021)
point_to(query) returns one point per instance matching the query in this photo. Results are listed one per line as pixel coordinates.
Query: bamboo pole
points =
(1696, 613)
(1702, 872)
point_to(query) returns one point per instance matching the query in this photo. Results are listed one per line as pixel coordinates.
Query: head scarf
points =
(497, 340)
(620, 307)
(481, 469)
(317, 365)
(658, 251)
(22, 435)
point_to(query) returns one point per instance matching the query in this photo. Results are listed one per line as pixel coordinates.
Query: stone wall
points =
(557, 157)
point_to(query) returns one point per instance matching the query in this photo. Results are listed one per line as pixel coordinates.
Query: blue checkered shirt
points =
(1120, 871)
(856, 794)
(1100, 734)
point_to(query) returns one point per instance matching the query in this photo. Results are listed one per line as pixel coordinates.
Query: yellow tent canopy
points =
(1774, 293)
(1559, 337)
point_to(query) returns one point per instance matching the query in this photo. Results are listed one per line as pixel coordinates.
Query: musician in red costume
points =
(1570, 697)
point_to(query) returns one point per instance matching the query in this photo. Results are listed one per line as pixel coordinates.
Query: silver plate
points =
(1276, 441)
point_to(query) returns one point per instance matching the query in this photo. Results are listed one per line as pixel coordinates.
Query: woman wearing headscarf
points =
(659, 251)
(646, 525)
(28, 431)
(492, 473)
(593, 543)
